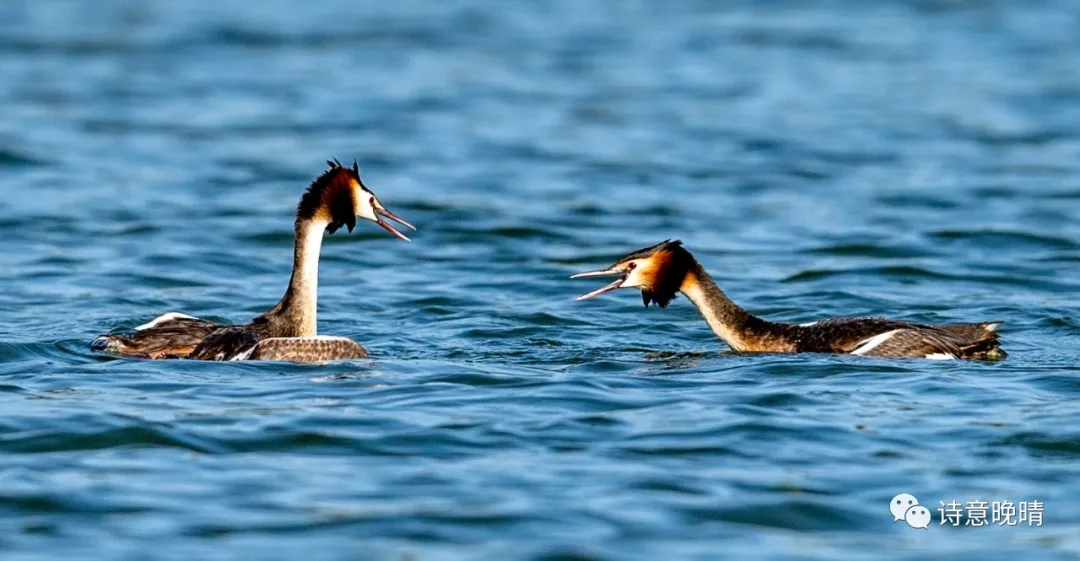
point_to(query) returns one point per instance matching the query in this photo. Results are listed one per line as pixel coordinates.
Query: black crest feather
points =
(670, 245)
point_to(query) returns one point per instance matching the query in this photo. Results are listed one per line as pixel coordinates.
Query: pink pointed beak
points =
(386, 225)
(602, 273)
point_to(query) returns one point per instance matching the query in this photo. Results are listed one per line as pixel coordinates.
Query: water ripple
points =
(910, 159)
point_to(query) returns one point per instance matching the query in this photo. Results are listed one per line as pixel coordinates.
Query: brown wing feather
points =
(849, 335)
(171, 338)
(913, 343)
(226, 343)
(842, 335)
(307, 349)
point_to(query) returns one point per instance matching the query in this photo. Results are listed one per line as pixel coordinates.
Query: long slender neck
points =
(295, 314)
(726, 318)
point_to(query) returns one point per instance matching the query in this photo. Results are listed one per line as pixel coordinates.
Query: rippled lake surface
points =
(918, 159)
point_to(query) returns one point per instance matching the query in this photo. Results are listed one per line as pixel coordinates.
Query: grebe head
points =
(338, 197)
(658, 271)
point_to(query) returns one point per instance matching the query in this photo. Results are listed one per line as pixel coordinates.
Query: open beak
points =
(602, 273)
(386, 225)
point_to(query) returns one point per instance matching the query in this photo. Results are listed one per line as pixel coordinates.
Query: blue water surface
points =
(918, 159)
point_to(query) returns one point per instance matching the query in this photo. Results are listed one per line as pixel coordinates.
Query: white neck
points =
(298, 308)
(305, 279)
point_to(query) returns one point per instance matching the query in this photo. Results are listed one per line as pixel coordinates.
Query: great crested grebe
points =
(667, 268)
(288, 331)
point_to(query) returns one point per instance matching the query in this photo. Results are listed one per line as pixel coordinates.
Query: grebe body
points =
(666, 269)
(288, 330)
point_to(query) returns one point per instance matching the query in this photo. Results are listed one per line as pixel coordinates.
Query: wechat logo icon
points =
(905, 507)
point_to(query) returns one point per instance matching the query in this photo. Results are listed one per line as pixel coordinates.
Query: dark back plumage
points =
(226, 343)
(171, 338)
(850, 335)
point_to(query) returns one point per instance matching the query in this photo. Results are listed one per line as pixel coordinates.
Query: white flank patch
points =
(991, 326)
(874, 342)
(811, 324)
(162, 319)
(246, 354)
(940, 356)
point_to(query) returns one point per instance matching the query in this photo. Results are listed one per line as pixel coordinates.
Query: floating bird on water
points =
(667, 268)
(288, 331)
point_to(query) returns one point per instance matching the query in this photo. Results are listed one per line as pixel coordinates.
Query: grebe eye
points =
(372, 201)
(632, 266)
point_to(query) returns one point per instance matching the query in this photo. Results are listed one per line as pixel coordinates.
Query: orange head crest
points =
(658, 271)
(338, 197)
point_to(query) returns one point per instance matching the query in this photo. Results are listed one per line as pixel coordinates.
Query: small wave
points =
(989, 239)
(11, 158)
(906, 272)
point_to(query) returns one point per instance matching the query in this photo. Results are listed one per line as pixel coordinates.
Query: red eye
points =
(632, 266)
(372, 201)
